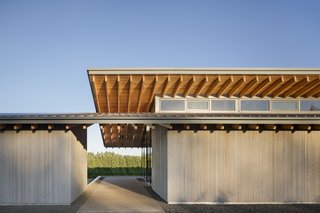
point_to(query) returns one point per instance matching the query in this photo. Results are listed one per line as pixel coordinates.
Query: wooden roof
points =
(133, 90)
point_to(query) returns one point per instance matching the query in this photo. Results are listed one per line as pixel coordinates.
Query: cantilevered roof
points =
(123, 129)
(132, 90)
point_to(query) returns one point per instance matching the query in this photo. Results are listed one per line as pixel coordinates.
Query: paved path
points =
(121, 194)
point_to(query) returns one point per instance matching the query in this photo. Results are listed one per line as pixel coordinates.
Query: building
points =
(218, 135)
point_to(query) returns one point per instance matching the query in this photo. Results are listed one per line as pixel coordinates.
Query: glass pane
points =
(284, 105)
(255, 105)
(172, 105)
(204, 105)
(223, 105)
(310, 105)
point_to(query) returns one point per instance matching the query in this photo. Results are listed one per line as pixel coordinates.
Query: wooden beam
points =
(248, 86)
(213, 85)
(50, 127)
(107, 93)
(236, 126)
(219, 126)
(177, 86)
(189, 85)
(201, 85)
(153, 91)
(295, 87)
(236, 86)
(96, 93)
(34, 127)
(140, 93)
(165, 86)
(17, 127)
(312, 91)
(224, 86)
(307, 87)
(129, 94)
(118, 92)
(259, 87)
(253, 126)
(283, 87)
(272, 87)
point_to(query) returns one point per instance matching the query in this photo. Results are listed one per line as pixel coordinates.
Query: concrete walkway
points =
(121, 194)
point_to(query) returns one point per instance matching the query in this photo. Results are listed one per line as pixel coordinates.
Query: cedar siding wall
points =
(239, 167)
(159, 161)
(36, 168)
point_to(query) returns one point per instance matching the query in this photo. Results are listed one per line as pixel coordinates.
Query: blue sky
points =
(46, 46)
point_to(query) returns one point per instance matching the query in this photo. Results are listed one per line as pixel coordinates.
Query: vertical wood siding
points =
(159, 161)
(35, 168)
(239, 167)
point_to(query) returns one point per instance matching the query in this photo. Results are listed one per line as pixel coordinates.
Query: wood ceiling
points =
(123, 93)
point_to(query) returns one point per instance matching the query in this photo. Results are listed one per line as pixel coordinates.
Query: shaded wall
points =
(159, 161)
(239, 167)
(41, 167)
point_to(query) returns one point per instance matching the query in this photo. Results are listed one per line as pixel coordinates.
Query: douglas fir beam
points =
(17, 127)
(200, 87)
(95, 93)
(284, 86)
(190, 83)
(236, 86)
(34, 127)
(118, 92)
(271, 87)
(311, 92)
(129, 93)
(176, 87)
(213, 85)
(107, 93)
(307, 87)
(259, 87)
(224, 86)
(154, 86)
(165, 86)
(248, 86)
(140, 93)
(295, 87)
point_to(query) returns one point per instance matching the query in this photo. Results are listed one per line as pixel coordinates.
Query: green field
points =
(109, 163)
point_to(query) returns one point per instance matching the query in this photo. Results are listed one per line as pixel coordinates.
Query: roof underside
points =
(133, 90)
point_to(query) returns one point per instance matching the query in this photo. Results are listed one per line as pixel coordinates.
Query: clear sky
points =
(46, 46)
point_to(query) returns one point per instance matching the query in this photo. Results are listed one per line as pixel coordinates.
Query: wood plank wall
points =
(159, 161)
(239, 167)
(36, 168)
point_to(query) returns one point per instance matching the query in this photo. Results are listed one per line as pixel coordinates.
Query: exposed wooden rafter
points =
(200, 86)
(224, 86)
(165, 86)
(140, 93)
(259, 87)
(213, 85)
(189, 85)
(307, 87)
(129, 92)
(236, 86)
(295, 87)
(177, 86)
(153, 91)
(272, 87)
(248, 86)
(118, 92)
(95, 93)
(284, 86)
(107, 93)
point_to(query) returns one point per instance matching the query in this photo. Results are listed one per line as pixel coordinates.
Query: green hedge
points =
(109, 163)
